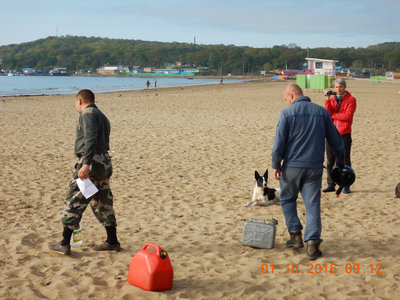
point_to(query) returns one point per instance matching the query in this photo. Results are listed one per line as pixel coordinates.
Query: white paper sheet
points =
(87, 188)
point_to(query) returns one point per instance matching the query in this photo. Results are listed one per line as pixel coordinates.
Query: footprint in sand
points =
(31, 240)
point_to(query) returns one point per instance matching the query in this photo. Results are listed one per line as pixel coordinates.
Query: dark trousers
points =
(330, 157)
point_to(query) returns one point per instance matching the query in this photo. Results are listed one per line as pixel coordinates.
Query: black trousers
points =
(330, 157)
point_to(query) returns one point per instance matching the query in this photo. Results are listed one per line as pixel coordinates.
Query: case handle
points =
(255, 218)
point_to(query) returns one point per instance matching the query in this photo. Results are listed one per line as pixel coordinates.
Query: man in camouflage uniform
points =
(94, 162)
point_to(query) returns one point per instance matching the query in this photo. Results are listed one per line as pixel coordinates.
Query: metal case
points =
(259, 234)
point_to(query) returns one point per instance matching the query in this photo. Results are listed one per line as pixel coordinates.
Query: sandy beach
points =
(184, 161)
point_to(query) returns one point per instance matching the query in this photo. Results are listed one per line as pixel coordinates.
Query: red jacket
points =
(343, 116)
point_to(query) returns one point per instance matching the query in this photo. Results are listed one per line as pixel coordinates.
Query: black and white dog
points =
(262, 194)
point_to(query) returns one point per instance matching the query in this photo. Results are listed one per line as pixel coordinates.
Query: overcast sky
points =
(254, 23)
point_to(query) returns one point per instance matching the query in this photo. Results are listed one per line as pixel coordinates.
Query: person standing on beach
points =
(300, 143)
(341, 107)
(94, 162)
(155, 83)
(147, 84)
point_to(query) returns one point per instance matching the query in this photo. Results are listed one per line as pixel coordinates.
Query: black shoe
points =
(65, 250)
(296, 241)
(107, 247)
(312, 249)
(330, 188)
(347, 190)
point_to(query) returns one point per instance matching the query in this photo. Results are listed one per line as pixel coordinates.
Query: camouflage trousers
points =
(101, 202)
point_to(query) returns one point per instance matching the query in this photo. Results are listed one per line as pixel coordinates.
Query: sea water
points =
(70, 85)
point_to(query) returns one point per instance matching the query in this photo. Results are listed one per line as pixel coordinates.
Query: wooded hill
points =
(79, 53)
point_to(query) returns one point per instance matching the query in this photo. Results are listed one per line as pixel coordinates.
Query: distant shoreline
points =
(144, 90)
(236, 77)
(47, 86)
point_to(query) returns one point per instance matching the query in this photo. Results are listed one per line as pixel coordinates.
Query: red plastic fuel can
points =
(151, 269)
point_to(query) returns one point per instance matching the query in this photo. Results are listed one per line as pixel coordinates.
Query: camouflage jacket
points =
(92, 134)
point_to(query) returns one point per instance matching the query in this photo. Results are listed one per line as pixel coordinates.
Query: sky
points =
(253, 23)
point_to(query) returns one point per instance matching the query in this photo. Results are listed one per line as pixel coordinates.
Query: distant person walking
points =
(221, 81)
(147, 84)
(155, 83)
(300, 144)
(93, 162)
(341, 107)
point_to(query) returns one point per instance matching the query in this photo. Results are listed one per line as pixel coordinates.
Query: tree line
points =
(80, 53)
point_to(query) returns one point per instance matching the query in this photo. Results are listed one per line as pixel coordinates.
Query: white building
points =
(112, 70)
(318, 66)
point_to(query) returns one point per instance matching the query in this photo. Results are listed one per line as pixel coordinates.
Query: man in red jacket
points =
(341, 107)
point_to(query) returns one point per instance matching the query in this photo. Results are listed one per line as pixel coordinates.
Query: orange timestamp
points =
(322, 269)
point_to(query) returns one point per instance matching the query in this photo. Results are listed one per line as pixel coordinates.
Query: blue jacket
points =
(300, 136)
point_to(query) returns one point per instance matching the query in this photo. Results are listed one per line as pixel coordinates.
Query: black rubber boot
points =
(65, 250)
(63, 247)
(112, 243)
(67, 233)
(296, 240)
(112, 235)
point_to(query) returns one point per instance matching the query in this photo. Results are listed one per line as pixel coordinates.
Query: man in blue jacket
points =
(297, 161)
